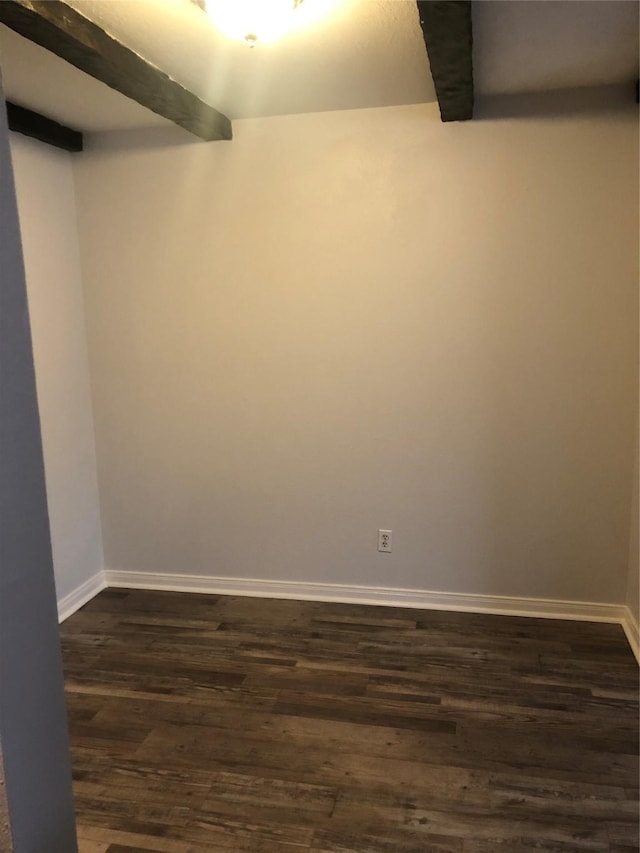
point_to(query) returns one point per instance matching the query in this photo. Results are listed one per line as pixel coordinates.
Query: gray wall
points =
(46, 206)
(33, 725)
(367, 319)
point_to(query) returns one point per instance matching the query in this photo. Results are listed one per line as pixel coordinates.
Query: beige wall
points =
(346, 321)
(633, 584)
(46, 205)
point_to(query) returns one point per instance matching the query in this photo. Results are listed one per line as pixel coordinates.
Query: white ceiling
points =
(542, 45)
(35, 78)
(361, 53)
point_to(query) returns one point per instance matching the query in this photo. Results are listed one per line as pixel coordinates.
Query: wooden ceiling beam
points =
(446, 27)
(29, 123)
(64, 31)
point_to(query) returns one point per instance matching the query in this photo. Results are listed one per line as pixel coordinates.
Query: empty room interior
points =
(319, 426)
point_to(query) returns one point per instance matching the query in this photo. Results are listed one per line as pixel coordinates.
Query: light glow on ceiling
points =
(264, 20)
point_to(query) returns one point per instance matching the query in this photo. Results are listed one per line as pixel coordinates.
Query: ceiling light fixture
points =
(252, 20)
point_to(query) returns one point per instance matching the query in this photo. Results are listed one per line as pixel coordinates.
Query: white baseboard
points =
(420, 599)
(632, 630)
(80, 595)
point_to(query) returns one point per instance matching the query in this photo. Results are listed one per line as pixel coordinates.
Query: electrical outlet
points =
(385, 540)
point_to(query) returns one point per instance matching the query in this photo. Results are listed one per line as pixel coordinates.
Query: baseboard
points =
(632, 630)
(388, 596)
(80, 595)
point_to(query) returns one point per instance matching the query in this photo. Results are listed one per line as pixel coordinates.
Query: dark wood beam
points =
(45, 129)
(446, 27)
(64, 31)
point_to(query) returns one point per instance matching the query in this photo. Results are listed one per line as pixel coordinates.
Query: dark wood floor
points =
(212, 723)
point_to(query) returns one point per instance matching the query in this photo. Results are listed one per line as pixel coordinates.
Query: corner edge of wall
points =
(79, 596)
(632, 631)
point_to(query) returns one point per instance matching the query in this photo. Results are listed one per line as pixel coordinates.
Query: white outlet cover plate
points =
(385, 541)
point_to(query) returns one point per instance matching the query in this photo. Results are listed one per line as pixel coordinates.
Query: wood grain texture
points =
(67, 33)
(213, 723)
(37, 126)
(6, 842)
(447, 30)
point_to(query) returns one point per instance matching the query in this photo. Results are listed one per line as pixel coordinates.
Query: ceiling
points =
(542, 45)
(357, 54)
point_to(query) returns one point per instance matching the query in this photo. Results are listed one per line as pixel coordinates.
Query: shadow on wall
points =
(167, 136)
(560, 103)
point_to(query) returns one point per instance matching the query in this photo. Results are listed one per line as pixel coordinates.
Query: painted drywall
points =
(633, 583)
(359, 320)
(46, 205)
(33, 723)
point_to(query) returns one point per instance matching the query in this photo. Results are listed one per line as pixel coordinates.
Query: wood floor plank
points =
(239, 725)
(85, 846)
(110, 838)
